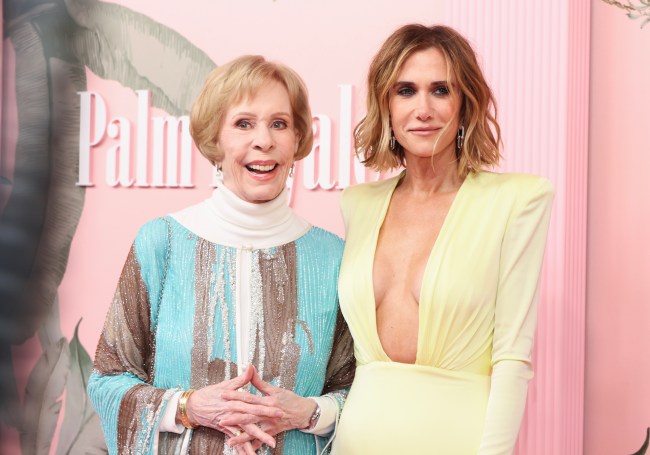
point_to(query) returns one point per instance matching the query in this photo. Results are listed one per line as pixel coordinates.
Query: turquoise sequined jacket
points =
(171, 326)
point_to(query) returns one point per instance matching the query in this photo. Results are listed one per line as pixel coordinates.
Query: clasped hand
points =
(249, 420)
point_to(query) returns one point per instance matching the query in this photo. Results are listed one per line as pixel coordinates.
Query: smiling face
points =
(421, 104)
(258, 141)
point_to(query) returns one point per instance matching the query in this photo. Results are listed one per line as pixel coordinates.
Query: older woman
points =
(225, 321)
(439, 276)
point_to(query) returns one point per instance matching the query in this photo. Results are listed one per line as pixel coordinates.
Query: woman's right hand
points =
(205, 407)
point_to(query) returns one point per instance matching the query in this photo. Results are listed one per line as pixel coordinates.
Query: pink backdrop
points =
(617, 394)
(536, 56)
(299, 35)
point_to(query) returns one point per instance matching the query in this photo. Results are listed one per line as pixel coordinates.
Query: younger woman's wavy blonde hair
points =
(236, 80)
(477, 105)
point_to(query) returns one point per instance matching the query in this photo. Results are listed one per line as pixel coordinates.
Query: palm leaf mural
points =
(21, 229)
(80, 431)
(119, 44)
(43, 399)
(644, 447)
(54, 42)
(641, 10)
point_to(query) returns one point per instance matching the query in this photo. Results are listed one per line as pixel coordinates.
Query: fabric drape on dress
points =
(466, 392)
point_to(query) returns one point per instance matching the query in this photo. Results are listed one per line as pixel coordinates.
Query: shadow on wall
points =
(55, 42)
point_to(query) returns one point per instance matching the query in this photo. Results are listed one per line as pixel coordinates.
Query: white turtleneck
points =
(227, 220)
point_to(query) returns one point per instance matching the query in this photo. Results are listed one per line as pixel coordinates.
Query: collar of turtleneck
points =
(228, 220)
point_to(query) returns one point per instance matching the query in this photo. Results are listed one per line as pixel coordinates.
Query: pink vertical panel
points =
(617, 390)
(575, 253)
(536, 58)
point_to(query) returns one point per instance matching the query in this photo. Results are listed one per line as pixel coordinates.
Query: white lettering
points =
(172, 148)
(347, 156)
(143, 138)
(345, 135)
(86, 114)
(170, 141)
(319, 176)
(118, 172)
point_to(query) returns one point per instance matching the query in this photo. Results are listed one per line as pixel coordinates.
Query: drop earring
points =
(460, 137)
(392, 142)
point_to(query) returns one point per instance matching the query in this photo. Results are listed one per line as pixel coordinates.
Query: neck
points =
(250, 215)
(425, 176)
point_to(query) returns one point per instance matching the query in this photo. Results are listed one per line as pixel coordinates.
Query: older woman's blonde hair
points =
(237, 80)
(477, 106)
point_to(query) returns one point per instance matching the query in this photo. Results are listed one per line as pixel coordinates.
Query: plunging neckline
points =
(425, 272)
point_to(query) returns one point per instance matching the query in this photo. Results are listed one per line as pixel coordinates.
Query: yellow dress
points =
(466, 392)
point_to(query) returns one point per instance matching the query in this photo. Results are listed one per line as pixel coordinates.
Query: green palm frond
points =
(644, 447)
(120, 44)
(43, 399)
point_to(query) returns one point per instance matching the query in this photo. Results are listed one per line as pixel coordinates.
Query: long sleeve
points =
(129, 407)
(341, 366)
(338, 379)
(282, 298)
(522, 252)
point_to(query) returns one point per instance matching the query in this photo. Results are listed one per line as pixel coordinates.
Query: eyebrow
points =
(250, 114)
(403, 83)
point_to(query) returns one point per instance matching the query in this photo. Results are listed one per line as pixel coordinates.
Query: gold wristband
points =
(182, 409)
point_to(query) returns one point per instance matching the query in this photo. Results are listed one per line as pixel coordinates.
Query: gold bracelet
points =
(182, 409)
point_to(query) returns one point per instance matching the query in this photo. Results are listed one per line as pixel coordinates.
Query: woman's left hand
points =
(297, 410)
